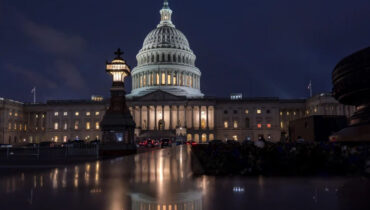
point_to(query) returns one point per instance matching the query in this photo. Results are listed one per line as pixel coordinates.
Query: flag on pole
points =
(309, 87)
(33, 90)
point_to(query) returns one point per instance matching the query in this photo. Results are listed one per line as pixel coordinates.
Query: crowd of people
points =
(283, 159)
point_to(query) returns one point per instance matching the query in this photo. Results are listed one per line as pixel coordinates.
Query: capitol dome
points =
(166, 62)
(166, 37)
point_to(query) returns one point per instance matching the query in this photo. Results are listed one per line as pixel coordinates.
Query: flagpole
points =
(34, 96)
(310, 89)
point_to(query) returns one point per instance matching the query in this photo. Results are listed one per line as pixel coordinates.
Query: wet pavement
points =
(162, 180)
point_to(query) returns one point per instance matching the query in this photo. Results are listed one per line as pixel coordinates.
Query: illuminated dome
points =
(166, 37)
(166, 62)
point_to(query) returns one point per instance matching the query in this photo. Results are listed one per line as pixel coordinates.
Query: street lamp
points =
(118, 68)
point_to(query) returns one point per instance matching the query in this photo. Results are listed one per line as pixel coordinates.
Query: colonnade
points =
(169, 117)
(166, 78)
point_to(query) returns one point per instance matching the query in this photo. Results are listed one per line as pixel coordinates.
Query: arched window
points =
(169, 58)
(157, 58)
(174, 58)
(163, 57)
(189, 137)
(152, 58)
(179, 58)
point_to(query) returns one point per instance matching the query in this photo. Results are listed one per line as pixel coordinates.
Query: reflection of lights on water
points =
(95, 190)
(238, 189)
(55, 179)
(75, 183)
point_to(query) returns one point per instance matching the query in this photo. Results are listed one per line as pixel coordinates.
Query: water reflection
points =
(162, 180)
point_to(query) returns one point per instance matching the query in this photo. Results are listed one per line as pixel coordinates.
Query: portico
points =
(162, 111)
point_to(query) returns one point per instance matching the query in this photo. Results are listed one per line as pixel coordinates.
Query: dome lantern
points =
(166, 14)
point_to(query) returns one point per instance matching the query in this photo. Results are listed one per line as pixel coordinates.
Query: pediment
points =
(160, 95)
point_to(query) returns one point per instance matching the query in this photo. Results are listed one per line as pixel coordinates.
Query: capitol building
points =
(166, 101)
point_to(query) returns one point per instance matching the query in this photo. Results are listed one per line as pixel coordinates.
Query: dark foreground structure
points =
(351, 87)
(289, 159)
(117, 125)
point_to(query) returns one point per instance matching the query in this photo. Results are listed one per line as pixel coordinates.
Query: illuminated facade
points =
(165, 102)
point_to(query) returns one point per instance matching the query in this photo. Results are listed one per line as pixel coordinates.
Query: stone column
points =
(160, 77)
(170, 127)
(207, 126)
(141, 118)
(199, 117)
(178, 114)
(192, 117)
(177, 78)
(147, 117)
(155, 117)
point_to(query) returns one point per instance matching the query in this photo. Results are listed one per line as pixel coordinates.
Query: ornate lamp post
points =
(117, 124)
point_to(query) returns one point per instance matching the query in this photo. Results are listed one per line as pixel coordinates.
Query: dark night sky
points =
(257, 47)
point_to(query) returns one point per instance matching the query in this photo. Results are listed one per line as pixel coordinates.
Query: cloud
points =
(70, 74)
(32, 77)
(52, 40)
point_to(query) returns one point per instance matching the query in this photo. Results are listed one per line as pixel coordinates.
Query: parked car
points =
(192, 143)
(216, 142)
(165, 143)
(45, 144)
(232, 142)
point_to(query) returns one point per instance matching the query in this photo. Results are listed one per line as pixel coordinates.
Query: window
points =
(43, 116)
(268, 125)
(37, 116)
(247, 123)
(77, 123)
(163, 78)
(10, 113)
(97, 113)
(56, 138)
(259, 125)
(281, 113)
(287, 113)
(268, 111)
(235, 124)
(97, 126)
(25, 127)
(20, 127)
(169, 79)
(281, 125)
(77, 113)
(88, 113)
(235, 138)
(87, 125)
(56, 114)
(65, 126)
(259, 111)
(235, 112)
(16, 114)
(246, 111)
(9, 126)
(65, 113)
(56, 126)
(225, 111)
(64, 138)
(226, 124)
